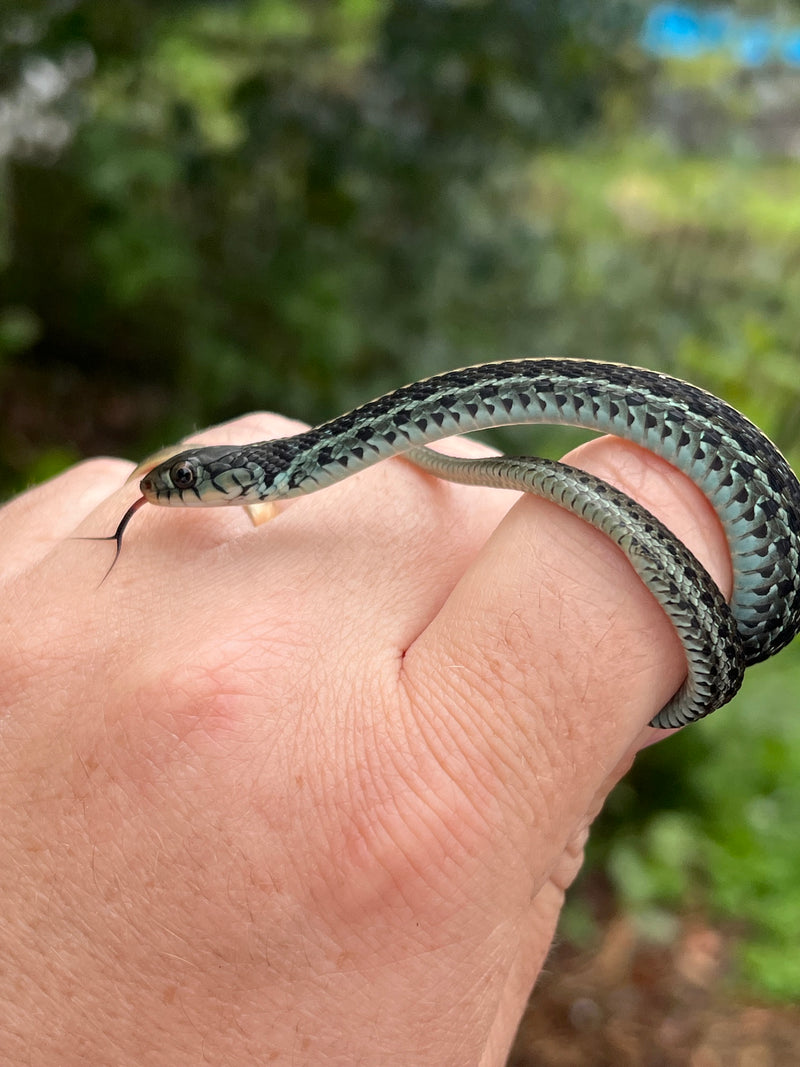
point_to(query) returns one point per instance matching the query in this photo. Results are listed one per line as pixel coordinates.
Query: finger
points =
(551, 656)
(34, 521)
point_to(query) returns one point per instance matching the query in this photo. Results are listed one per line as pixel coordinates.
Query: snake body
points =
(748, 482)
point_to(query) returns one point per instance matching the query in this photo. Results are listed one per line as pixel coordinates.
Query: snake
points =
(747, 481)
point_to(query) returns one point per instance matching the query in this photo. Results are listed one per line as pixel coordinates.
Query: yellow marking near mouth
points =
(263, 512)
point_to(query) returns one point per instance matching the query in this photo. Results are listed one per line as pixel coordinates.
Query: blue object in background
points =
(682, 31)
(678, 30)
(790, 49)
(755, 44)
(673, 31)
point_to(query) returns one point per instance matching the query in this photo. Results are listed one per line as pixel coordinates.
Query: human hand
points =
(310, 793)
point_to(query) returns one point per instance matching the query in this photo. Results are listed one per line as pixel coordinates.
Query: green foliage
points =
(750, 788)
(19, 330)
(723, 836)
(688, 265)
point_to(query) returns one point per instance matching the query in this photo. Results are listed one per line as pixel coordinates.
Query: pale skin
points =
(310, 793)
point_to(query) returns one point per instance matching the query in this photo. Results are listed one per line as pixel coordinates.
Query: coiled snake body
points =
(748, 482)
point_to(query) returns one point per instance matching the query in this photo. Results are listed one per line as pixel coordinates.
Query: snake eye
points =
(182, 474)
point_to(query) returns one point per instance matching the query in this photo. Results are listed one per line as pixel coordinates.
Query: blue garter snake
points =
(748, 482)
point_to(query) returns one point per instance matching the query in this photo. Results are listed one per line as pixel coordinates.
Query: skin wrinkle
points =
(410, 871)
(403, 831)
(609, 565)
(470, 712)
(504, 762)
(395, 795)
(502, 766)
(613, 649)
(461, 763)
(560, 586)
(498, 760)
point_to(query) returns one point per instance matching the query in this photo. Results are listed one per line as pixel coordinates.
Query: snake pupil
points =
(182, 475)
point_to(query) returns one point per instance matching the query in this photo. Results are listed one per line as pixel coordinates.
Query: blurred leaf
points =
(19, 329)
(53, 461)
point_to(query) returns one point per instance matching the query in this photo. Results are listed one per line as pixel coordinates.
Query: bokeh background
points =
(210, 207)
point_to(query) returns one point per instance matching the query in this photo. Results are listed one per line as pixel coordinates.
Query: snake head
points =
(202, 477)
